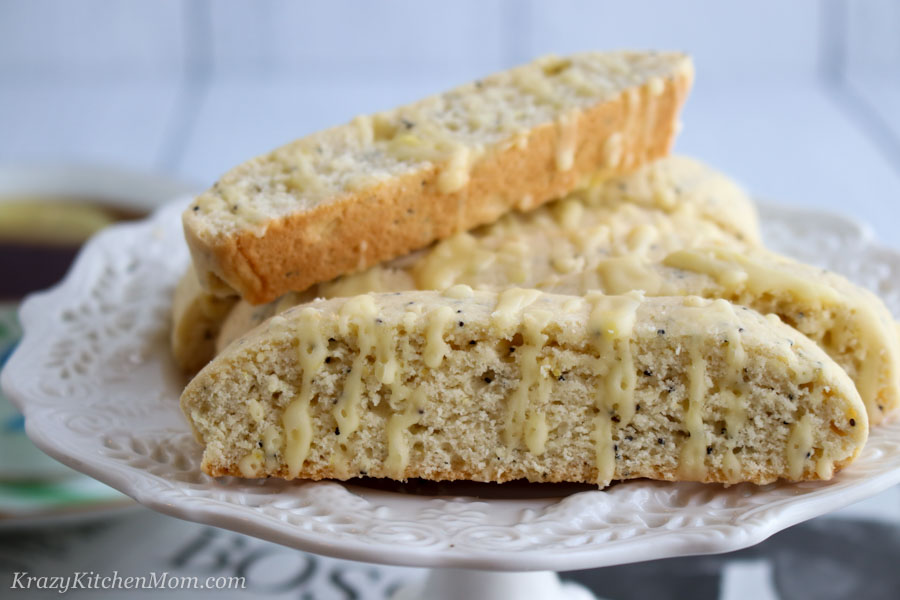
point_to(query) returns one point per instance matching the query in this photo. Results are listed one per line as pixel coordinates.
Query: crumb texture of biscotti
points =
(849, 322)
(491, 386)
(346, 198)
(671, 204)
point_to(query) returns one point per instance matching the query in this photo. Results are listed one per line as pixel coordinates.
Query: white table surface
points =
(799, 101)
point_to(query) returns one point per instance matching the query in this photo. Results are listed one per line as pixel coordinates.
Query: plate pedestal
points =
(466, 584)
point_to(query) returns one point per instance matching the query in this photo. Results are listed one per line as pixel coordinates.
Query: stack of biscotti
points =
(670, 204)
(595, 310)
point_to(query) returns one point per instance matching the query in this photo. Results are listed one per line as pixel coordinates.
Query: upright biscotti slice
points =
(849, 322)
(520, 384)
(343, 199)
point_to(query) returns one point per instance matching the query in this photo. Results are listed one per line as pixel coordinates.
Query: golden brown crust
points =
(407, 213)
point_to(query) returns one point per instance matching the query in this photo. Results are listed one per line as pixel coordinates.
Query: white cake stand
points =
(100, 393)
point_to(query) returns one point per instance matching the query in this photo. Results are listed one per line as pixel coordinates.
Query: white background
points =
(798, 100)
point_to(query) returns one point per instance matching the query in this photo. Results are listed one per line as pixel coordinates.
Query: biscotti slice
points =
(197, 317)
(343, 199)
(673, 203)
(849, 322)
(495, 387)
(681, 183)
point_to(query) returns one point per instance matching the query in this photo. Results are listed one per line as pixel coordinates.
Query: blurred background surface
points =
(800, 101)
